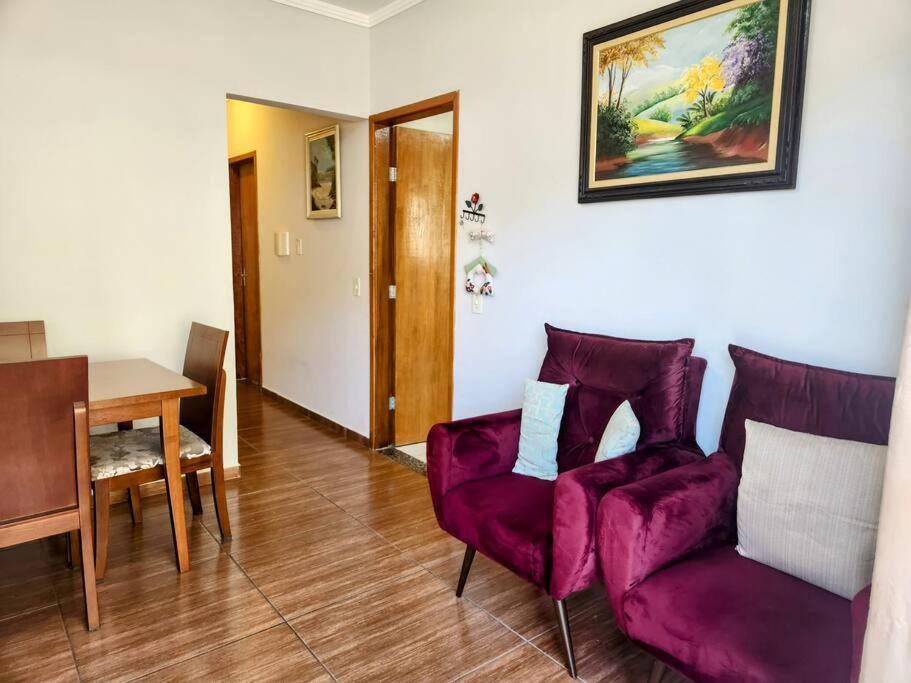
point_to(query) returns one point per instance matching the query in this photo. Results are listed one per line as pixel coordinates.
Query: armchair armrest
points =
(576, 498)
(646, 526)
(466, 450)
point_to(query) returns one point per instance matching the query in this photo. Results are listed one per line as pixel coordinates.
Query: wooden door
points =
(423, 279)
(245, 267)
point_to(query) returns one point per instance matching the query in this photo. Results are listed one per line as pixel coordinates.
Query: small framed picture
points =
(324, 174)
(695, 97)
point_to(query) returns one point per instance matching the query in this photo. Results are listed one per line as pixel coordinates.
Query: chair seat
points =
(509, 518)
(133, 450)
(723, 617)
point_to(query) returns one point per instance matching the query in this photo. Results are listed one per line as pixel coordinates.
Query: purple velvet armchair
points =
(544, 530)
(675, 581)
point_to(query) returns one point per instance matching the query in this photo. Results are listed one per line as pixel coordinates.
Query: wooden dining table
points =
(124, 390)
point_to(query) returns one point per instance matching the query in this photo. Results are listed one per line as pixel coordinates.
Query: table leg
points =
(170, 446)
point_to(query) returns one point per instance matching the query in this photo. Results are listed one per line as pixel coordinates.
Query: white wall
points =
(820, 274)
(315, 332)
(114, 223)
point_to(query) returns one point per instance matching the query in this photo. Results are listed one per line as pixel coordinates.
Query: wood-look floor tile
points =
(375, 491)
(523, 607)
(35, 648)
(410, 629)
(26, 579)
(138, 552)
(276, 654)
(421, 538)
(266, 516)
(525, 663)
(603, 653)
(300, 434)
(332, 463)
(166, 617)
(322, 566)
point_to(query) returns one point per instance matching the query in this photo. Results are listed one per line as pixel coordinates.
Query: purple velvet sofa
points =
(666, 545)
(544, 530)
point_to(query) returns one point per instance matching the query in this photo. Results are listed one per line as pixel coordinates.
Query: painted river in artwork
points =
(671, 156)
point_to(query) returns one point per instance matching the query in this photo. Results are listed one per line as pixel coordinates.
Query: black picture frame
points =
(784, 175)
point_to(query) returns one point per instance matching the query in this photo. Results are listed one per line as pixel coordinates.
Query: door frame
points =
(256, 319)
(382, 348)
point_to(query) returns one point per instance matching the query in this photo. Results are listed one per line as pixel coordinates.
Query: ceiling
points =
(360, 12)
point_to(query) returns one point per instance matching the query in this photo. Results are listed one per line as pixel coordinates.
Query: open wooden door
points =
(413, 175)
(423, 277)
(245, 267)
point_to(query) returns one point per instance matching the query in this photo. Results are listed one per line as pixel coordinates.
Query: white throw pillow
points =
(620, 435)
(809, 506)
(542, 412)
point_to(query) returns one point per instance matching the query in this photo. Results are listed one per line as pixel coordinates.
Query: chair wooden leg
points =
(221, 500)
(193, 490)
(565, 636)
(466, 567)
(73, 549)
(135, 503)
(102, 489)
(90, 591)
(657, 673)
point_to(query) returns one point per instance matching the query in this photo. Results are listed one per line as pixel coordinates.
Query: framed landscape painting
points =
(698, 96)
(324, 198)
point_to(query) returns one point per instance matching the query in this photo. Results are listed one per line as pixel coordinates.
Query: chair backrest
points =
(203, 363)
(37, 435)
(804, 398)
(603, 372)
(22, 341)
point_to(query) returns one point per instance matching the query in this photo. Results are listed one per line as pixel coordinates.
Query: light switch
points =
(282, 244)
(477, 304)
(300, 247)
(357, 286)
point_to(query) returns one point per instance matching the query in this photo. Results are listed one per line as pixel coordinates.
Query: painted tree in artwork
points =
(618, 61)
(702, 81)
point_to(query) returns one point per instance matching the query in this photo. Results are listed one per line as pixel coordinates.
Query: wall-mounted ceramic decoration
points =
(324, 174)
(695, 97)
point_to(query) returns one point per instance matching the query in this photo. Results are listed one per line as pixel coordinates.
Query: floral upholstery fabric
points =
(133, 450)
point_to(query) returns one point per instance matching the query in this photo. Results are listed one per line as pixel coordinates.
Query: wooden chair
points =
(44, 458)
(22, 341)
(130, 457)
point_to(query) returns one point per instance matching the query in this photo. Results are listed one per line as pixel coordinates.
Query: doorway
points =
(245, 267)
(413, 159)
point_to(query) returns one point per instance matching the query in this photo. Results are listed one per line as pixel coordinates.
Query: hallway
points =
(337, 570)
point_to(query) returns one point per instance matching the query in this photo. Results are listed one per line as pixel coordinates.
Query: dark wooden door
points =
(245, 267)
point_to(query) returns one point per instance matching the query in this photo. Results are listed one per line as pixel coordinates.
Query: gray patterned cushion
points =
(132, 450)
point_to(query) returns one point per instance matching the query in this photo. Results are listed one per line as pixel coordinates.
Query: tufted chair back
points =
(658, 378)
(804, 398)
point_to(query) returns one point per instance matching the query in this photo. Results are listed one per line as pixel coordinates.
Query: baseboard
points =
(156, 488)
(349, 434)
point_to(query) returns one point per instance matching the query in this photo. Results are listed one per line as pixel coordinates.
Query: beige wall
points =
(315, 330)
(114, 223)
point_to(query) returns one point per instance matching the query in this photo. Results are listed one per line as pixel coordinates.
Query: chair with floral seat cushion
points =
(130, 457)
(676, 583)
(543, 531)
(133, 450)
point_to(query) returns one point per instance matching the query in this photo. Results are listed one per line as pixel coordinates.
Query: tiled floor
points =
(337, 571)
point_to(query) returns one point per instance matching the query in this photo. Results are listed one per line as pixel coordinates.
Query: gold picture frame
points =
(324, 173)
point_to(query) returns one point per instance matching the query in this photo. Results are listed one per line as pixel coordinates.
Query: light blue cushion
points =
(621, 434)
(542, 412)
